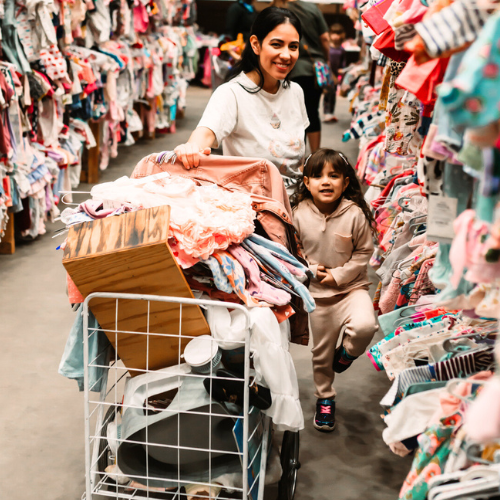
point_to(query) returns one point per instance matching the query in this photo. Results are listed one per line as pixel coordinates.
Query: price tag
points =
(442, 212)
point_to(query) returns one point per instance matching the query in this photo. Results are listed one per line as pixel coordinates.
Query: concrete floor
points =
(41, 415)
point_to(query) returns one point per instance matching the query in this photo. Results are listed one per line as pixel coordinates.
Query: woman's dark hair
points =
(265, 22)
(313, 168)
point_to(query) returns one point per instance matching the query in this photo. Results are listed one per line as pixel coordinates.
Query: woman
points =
(259, 112)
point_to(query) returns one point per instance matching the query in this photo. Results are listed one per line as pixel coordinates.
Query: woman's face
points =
(278, 52)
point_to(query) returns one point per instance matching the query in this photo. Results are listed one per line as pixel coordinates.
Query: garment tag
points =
(111, 204)
(442, 212)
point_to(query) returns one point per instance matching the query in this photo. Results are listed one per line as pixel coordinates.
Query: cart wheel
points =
(104, 450)
(290, 465)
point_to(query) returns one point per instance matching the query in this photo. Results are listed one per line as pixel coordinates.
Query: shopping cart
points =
(158, 433)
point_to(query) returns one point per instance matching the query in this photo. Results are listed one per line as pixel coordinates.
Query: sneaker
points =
(342, 361)
(324, 418)
(328, 118)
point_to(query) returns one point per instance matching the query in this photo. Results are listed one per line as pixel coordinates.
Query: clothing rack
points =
(431, 170)
(67, 107)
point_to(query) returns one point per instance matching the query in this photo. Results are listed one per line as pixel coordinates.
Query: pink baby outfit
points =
(259, 178)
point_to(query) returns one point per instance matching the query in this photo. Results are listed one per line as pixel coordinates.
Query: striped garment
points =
(403, 380)
(452, 27)
(463, 365)
(403, 34)
(460, 366)
(357, 129)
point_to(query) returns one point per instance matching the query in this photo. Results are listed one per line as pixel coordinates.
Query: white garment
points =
(100, 22)
(202, 218)
(412, 334)
(259, 125)
(429, 346)
(411, 416)
(272, 360)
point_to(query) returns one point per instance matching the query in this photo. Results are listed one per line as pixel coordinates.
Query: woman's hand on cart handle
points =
(199, 143)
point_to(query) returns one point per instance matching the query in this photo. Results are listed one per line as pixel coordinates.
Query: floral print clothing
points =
(402, 117)
(435, 446)
(402, 120)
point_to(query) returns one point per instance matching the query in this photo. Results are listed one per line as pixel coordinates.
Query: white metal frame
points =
(94, 408)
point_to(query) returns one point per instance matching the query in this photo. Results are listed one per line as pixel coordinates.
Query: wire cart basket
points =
(161, 433)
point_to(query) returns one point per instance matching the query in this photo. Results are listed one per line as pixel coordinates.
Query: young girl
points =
(334, 225)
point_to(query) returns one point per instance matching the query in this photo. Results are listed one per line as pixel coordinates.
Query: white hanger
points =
(486, 488)
(474, 472)
(455, 381)
(67, 193)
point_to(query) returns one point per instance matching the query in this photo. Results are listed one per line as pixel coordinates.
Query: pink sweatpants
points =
(352, 313)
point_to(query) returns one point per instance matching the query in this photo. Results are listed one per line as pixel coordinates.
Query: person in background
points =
(239, 19)
(337, 59)
(258, 113)
(335, 227)
(315, 45)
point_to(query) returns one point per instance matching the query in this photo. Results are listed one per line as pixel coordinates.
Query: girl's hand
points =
(325, 276)
(189, 154)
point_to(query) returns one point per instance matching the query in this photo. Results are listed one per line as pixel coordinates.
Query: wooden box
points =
(129, 254)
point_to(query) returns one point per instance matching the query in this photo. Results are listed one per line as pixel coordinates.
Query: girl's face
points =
(327, 188)
(278, 52)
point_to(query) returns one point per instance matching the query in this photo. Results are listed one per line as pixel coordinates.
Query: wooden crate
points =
(129, 254)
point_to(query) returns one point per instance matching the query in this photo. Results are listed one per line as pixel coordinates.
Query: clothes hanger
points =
(448, 347)
(473, 450)
(455, 381)
(402, 318)
(482, 480)
(474, 472)
(417, 217)
(60, 232)
(67, 193)
(477, 488)
(400, 264)
(403, 202)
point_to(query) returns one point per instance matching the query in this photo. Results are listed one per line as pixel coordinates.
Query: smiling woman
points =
(258, 112)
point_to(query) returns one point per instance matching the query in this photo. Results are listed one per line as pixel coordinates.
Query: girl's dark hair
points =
(265, 22)
(313, 168)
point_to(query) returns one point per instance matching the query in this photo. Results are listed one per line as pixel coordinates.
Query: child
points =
(334, 225)
(337, 59)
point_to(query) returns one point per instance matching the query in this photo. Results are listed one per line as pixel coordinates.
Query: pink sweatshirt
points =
(341, 241)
